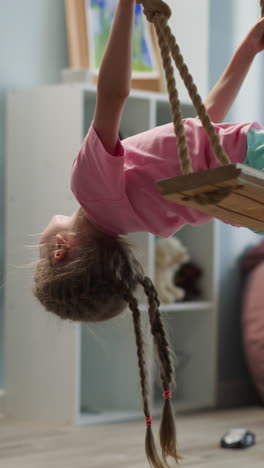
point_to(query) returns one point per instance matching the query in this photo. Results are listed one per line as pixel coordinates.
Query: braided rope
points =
(158, 13)
(220, 154)
(177, 118)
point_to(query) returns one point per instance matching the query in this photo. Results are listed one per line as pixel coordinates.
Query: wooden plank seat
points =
(243, 206)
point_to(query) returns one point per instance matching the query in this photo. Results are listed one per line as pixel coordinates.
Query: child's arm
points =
(114, 78)
(222, 96)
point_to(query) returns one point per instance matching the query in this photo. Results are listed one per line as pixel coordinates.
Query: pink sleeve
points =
(97, 174)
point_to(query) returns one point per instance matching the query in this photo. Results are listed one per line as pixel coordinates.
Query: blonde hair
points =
(96, 284)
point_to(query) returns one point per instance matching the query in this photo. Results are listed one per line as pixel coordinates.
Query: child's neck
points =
(81, 223)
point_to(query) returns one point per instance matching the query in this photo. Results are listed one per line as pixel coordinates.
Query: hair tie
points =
(148, 421)
(167, 395)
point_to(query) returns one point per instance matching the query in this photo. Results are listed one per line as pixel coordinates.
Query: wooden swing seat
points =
(244, 206)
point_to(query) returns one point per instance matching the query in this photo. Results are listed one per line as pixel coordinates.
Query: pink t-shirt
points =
(118, 192)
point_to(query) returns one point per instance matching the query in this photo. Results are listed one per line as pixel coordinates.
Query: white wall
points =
(189, 23)
(33, 50)
(249, 105)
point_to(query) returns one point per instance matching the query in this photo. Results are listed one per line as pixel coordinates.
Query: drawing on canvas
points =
(99, 17)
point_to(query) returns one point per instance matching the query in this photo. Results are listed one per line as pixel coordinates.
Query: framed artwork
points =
(88, 26)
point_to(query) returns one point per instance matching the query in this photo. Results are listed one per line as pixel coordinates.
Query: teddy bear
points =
(170, 255)
(188, 277)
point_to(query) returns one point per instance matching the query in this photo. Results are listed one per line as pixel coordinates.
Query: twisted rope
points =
(158, 13)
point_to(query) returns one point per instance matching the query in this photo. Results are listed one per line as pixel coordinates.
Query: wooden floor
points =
(27, 445)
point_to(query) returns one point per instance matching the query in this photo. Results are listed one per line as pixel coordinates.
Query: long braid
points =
(150, 447)
(167, 372)
(159, 333)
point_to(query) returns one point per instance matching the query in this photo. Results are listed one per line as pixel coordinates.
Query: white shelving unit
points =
(76, 373)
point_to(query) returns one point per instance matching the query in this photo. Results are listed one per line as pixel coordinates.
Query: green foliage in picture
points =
(100, 14)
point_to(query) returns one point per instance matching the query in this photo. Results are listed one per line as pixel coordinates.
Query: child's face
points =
(57, 224)
(62, 233)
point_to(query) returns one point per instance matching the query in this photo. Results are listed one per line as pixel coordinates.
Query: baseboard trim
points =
(236, 393)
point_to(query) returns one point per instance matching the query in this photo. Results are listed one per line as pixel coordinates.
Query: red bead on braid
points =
(148, 421)
(167, 395)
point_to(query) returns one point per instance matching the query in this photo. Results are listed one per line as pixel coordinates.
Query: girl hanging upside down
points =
(87, 270)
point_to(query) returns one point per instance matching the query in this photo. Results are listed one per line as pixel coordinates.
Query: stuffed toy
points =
(170, 255)
(187, 277)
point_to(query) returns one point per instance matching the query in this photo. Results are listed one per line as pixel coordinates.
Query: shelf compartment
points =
(195, 351)
(202, 253)
(164, 114)
(109, 368)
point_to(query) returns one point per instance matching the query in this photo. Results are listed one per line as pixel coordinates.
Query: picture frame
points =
(88, 27)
